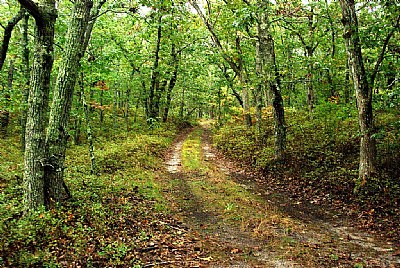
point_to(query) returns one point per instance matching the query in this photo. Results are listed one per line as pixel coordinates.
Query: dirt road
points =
(242, 224)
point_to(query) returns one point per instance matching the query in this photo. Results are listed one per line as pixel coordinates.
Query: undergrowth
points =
(321, 162)
(111, 217)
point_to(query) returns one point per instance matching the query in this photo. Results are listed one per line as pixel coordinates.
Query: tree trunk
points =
(346, 90)
(127, 108)
(260, 50)
(78, 121)
(236, 67)
(182, 106)
(363, 91)
(168, 99)
(26, 70)
(219, 112)
(310, 68)
(57, 132)
(310, 89)
(5, 114)
(101, 112)
(271, 75)
(45, 15)
(115, 107)
(89, 133)
(154, 86)
(391, 76)
(157, 100)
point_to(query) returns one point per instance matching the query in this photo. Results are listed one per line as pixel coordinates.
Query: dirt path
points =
(241, 224)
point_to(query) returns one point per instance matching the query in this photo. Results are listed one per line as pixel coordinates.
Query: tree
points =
(45, 13)
(363, 87)
(26, 72)
(45, 154)
(237, 66)
(267, 68)
(57, 130)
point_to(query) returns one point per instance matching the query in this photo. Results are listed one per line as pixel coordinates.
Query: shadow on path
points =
(319, 239)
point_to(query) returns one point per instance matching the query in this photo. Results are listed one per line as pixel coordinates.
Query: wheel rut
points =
(226, 206)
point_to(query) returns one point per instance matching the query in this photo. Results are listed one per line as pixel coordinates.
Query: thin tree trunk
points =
(78, 120)
(115, 103)
(127, 108)
(391, 76)
(172, 81)
(154, 86)
(93, 169)
(219, 115)
(182, 106)
(310, 89)
(237, 68)
(363, 91)
(26, 71)
(346, 89)
(260, 74)
(136, 110)
(101, 112)
(57, 132)
(5, 114)
(168, 99)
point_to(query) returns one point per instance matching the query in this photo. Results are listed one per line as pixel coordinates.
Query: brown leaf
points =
(236, 250)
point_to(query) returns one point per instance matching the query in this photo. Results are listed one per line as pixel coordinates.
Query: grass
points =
(322, 161)
(111, 215)
(206, 189)
(191, 151)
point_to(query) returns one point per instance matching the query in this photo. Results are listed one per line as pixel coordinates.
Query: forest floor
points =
(239, 220)
(188, 206)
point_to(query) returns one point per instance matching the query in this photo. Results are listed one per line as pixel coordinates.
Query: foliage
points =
(111, 217)
(322, 160)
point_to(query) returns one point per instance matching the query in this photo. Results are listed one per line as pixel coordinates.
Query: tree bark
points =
(89, 132)
(26, 70)
(363, 92)
(5, 113)
(266, 51)
(115, 108)
(260, 51)
(57, 132)
(172, 82)
(45, 15)
(309, 49)
(127, 107)
(101, 112)
(154, 86)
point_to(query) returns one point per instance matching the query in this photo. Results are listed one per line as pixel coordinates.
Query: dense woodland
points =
(305, 94)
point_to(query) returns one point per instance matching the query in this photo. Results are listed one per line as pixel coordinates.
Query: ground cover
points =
(116, 217)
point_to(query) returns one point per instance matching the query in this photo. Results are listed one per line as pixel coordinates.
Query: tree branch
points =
(383, 51)
(7, 35)
(32, 8)
(93, 17)
(215, 37)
